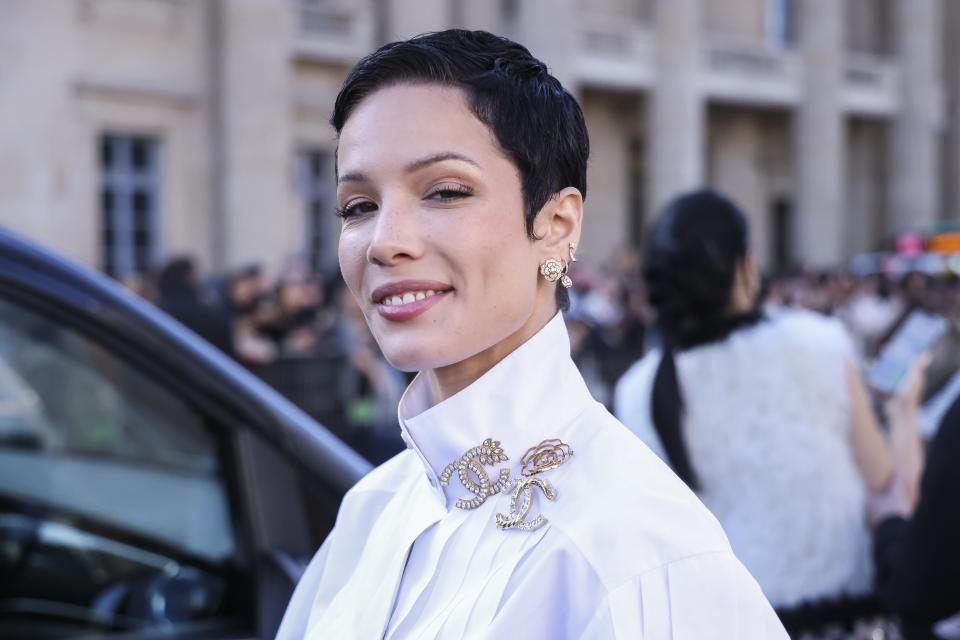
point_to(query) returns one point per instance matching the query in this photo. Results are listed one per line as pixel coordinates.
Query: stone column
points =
(406, 19)
(735, 150)
(951, 78)
(865, 186)
(819, 136)
(47, 175)
(261, 220)
(914, 170)
(213, 112)
(470, 14)
(676, 109)
(606, 214)
(548, 28)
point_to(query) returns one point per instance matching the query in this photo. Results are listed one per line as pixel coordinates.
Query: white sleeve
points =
(294, 623)
(631, 402)
(335, 561)
(704, 597)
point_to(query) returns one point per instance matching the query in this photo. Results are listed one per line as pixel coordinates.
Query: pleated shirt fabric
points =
(627, 551)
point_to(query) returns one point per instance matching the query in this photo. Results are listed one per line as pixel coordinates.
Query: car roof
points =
(27, 267)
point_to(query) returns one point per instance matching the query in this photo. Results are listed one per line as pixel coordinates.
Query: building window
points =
(782, 232)
(780, 23)
(319, 204)
(129, 203)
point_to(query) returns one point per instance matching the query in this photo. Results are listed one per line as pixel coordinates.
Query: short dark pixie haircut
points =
(536, 122)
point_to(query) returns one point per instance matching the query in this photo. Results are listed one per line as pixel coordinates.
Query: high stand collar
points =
(532, 395)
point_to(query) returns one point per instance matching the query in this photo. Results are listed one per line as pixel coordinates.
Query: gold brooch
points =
(488, 453)
(520, 503)
(547, 455)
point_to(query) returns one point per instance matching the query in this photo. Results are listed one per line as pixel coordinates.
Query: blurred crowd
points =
(870, 306)
(303, 332)
(610, 315)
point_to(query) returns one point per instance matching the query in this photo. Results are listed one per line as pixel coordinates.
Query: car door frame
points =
(124, 334)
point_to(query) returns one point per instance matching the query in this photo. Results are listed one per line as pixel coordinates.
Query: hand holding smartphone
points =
(915, 337)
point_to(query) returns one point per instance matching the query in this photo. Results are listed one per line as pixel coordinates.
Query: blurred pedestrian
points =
(179, 295)
(607, 321)
(293, 319)
(766, 418)
(244, 300)
(369, 388)
(870, 312)
(142, 285)
(244, 291)
(917, 536)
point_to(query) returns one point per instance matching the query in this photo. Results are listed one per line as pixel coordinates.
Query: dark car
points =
(149, 485)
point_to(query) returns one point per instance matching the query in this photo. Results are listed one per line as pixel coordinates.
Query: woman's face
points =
(433, 243)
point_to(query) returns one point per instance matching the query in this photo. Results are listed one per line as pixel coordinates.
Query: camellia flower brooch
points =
(547, 455)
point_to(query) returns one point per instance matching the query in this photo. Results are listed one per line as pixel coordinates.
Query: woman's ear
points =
(747, 284)
(558, 223)
(753, 277)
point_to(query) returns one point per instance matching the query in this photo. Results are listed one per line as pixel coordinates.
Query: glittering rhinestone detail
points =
(520, 502)
(488, 453)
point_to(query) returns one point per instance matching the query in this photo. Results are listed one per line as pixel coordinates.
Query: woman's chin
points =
(411, 358)
(437, 348)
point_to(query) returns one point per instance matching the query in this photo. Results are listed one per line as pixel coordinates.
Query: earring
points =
(553, 269)
(573, 256)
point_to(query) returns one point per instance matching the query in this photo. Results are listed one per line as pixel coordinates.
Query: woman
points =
(915, 541)
(767, 419)
(461, 169)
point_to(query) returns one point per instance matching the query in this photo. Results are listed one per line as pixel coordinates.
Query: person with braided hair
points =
(767, 419)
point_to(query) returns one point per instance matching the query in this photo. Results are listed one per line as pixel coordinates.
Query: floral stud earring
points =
(553, 269)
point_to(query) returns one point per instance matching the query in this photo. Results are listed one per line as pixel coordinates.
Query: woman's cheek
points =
(351, 255)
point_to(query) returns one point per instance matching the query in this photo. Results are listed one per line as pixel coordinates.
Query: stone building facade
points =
(132, 130)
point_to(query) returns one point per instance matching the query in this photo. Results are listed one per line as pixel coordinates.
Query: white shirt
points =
(767, 428)
(627, 552)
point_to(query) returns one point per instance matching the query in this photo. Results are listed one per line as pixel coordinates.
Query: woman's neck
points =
(447, 381)
(741, 302)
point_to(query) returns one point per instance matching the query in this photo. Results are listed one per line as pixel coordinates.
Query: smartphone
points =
(917, 335)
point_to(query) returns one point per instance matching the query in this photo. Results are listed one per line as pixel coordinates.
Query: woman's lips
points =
(408, 310)
(405, 299)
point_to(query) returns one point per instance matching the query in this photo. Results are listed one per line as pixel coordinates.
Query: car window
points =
(83, 431)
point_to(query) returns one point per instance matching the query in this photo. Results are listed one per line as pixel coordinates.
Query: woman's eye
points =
(449, 192)
(356, 208)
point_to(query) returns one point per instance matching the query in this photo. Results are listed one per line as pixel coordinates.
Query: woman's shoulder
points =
(365, 501)
(808, 337)
(810, 329)
(388, 477)
(624, 509)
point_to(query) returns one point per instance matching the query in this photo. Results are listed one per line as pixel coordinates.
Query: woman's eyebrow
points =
(416, 165)
(352, 177)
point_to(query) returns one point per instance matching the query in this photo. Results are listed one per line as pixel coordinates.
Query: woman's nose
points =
(395, 237)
